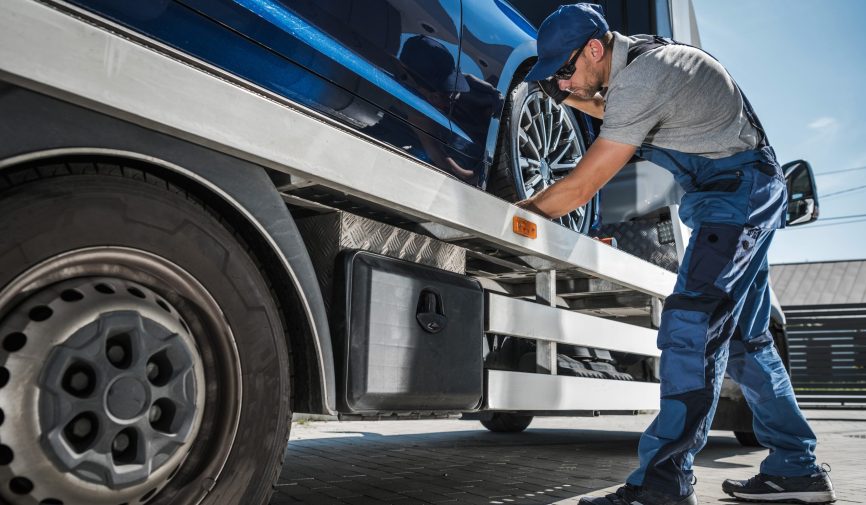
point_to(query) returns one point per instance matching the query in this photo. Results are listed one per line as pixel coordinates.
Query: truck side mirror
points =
(802, 196)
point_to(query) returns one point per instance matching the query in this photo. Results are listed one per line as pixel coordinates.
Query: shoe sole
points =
(806, 497)
(690, 499)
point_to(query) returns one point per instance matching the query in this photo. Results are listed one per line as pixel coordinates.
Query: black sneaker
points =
(815, 488)
(631, 495)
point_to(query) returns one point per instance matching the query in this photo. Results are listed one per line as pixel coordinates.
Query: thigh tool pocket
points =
(714, 248)
(729, 183)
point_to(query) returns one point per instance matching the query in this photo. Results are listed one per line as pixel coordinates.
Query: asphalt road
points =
(555, 461)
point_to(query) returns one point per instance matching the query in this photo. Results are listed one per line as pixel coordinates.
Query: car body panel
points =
(185, 28)
(349, 60)
(355, 45)
(496, 40)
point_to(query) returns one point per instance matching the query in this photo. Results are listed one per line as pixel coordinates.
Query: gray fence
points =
(827, 346)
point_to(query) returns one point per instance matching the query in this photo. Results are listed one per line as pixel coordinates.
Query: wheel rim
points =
(119, 376)
(548, 147)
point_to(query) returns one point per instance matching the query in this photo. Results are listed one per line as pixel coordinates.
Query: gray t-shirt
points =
(675, 97)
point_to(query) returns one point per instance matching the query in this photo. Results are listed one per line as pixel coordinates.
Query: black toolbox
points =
(409, 337)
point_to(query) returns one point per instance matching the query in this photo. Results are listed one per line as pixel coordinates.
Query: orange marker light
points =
(611, 241)
(525, 227)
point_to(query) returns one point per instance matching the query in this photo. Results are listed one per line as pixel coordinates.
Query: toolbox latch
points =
(431, 311)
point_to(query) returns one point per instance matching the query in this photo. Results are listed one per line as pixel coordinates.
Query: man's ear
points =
(596, 49)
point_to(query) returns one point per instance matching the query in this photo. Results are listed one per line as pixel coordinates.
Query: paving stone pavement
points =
(556, 461)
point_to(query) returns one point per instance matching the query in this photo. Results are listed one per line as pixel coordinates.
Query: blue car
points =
(440, 80)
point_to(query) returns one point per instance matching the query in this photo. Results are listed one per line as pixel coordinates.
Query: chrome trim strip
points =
(521, 318)
(683, 22)
(519, 391)
(328, 387)
(115, 75)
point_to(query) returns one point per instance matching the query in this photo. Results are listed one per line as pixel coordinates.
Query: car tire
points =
(539, 143)
(504, 422)
(166, 327)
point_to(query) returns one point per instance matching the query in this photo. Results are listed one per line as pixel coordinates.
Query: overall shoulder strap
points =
(647, 45)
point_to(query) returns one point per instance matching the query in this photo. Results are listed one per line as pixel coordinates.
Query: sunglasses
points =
(566, 71)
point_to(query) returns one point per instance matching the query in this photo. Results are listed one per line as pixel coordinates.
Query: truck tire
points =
(747, 439)
(143, 356)
(540, 142)
(503, 422)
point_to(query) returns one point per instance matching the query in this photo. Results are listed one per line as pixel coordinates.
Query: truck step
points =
(526, 392)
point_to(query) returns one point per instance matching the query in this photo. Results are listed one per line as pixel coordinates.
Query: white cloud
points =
(823, 122)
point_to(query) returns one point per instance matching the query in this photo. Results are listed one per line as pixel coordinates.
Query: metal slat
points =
(825, 311)
(808, 398)
(116, 75)
(520, 318)
(828, 352)
(545, 293)
(829, 373)
(535, 392)
(831, 323)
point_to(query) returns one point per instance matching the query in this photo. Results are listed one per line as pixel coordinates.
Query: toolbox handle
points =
(431, 311)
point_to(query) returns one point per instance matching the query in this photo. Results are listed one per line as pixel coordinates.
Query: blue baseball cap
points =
(567, 29)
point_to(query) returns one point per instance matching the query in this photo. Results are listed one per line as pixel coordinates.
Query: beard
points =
(588, 90)
(584, 93)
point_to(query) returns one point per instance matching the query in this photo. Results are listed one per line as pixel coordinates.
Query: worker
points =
(676, 106)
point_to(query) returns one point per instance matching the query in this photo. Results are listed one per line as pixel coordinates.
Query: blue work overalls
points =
(718, 315)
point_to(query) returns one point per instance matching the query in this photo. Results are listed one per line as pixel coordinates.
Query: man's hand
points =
(593, 106)
(551, 89)
(529, 205)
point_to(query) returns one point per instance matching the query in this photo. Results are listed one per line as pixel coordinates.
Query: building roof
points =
(824, 283)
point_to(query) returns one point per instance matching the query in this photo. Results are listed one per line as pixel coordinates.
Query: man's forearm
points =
(594, 107)
(559, 199)
(601, 162)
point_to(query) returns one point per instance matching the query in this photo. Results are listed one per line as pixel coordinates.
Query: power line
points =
(835, 218)
(819, 225)
(841, 171)
(849, 190)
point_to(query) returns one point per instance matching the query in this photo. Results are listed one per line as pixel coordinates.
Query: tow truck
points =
(186, 260)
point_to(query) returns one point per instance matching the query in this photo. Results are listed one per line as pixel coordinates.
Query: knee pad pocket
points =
(774, 376)
(683, 340)
(671, 419)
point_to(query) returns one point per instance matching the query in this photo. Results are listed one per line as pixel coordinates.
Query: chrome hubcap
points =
(548, 148)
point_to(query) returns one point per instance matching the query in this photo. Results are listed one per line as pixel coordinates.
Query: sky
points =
(802, 65)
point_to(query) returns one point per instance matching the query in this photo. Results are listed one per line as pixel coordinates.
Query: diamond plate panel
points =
(641, 238)
(327, 235)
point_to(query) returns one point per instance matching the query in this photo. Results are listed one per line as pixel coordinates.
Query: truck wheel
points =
(539, 143)
(503, 422)
(747, 439)
(143, 355)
